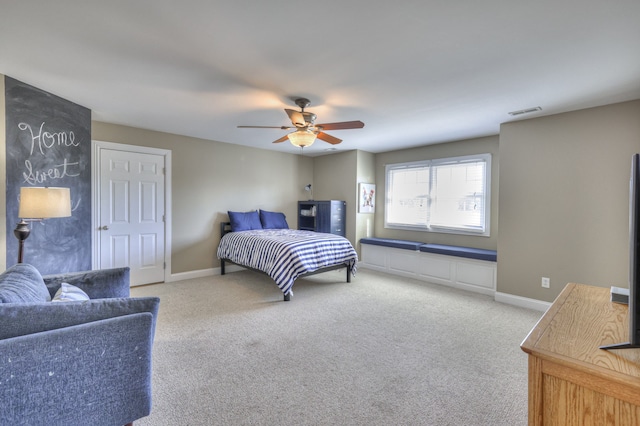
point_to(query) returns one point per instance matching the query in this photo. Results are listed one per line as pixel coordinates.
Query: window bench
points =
(461, 267)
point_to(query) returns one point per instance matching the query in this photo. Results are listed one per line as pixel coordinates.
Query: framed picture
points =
(367, 198)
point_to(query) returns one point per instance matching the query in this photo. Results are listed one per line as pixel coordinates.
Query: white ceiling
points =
(414, 71)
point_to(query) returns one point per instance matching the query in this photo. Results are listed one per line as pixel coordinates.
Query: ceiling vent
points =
(524, 111)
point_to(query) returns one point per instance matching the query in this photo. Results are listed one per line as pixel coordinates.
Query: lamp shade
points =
(43, 203)
(302, 138)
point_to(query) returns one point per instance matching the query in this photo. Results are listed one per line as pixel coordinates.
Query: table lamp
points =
(37, 204)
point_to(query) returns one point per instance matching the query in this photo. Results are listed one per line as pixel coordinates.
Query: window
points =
(444, 195)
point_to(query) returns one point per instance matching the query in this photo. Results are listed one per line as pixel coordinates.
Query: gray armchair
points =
(74, 363)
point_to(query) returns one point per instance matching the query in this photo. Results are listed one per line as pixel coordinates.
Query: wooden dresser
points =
(571, 380)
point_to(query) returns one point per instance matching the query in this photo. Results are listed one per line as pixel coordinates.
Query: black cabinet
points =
(323, 216)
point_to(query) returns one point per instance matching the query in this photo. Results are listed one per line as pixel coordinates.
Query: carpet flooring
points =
(381, 350)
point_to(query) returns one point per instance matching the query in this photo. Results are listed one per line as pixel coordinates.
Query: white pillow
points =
(69, 293)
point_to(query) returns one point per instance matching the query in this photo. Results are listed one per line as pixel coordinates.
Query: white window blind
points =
(445, 195)
(408, 194)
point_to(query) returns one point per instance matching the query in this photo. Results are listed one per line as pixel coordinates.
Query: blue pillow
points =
(22, 283)
(244, 221)
(273, 220)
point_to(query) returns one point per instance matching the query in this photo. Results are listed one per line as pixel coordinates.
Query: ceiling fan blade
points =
(282, 139)
(342, 125)
(265, 127)
(328, 138)
(297, 119)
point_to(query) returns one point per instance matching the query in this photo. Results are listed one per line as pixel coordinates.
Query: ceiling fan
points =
(306, 130)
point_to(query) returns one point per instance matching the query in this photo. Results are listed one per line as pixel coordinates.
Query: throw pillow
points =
(69, 293)
(22, 283)
(244, 221)
(98, 284)
(273, 220)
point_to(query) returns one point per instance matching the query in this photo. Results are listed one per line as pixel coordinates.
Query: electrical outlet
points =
(546, 282)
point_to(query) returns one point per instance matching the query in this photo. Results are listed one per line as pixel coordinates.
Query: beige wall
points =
(210, 178)
(334, 179)
(564, 199)
(559, 183)
(452, 149)
(366, 173)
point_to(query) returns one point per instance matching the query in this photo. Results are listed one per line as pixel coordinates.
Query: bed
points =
(284, 254)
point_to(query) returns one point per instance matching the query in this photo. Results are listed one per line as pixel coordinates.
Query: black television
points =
(634, 259)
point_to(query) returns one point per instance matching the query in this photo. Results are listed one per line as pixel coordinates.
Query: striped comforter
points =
(285, 254)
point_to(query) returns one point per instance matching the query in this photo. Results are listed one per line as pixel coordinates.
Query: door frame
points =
(96, 152)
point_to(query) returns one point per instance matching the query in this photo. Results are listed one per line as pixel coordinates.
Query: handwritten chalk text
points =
(46, 140)
(57, 171)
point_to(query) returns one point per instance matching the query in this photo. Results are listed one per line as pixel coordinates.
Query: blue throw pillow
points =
(22, 283)
(273, 220)
(244, 221)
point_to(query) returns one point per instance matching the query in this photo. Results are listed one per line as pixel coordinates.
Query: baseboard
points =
(200, 273)
(510, 299)
(193, 274)
(522, 302)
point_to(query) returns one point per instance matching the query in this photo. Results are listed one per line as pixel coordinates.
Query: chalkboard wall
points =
(48, 143)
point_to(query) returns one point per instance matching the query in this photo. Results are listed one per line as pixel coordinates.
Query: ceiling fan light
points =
(302, 138)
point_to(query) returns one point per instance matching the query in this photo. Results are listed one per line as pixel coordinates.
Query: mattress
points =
(285, 254)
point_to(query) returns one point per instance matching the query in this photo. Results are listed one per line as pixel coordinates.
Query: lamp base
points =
(21, 232)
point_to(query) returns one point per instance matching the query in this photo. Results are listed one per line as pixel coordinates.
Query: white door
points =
(131, 214)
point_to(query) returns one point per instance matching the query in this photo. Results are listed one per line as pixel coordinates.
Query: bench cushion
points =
(471, 253)
(387, 242)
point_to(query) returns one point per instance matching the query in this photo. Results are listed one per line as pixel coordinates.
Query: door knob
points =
(104, 228)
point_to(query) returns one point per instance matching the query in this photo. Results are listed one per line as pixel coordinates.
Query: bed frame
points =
(225, 227)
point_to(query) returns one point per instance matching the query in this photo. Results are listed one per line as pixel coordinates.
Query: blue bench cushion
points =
(471, 253)
(468, 252)
(387, 242)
